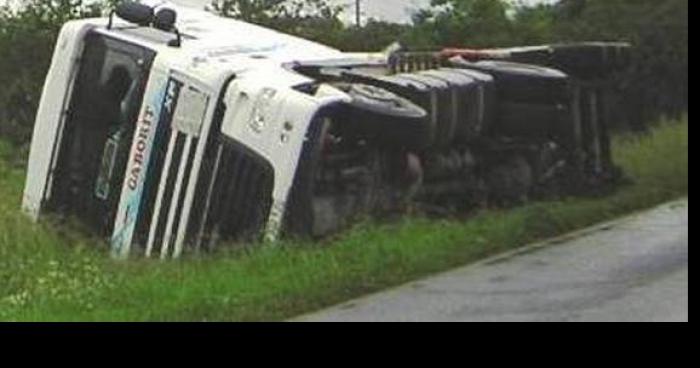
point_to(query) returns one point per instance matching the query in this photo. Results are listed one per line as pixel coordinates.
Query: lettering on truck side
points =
(142, 138)
(157, 115)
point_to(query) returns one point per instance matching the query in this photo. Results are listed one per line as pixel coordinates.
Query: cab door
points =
(98, 130)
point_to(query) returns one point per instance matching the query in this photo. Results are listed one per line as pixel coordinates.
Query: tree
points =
(656, 83)
(312, 19)
(532, 25)
(27, 37)
(375, 35)
(472, 23)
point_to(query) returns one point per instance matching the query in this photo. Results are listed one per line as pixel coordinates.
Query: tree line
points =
(656, 83)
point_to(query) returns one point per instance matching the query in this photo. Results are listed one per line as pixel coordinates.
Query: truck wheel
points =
(582, 60)
(444, 132)
(590, 60)
(524, 83)
(336, 181)
(486, 100)
(387, 119)
(465, 105)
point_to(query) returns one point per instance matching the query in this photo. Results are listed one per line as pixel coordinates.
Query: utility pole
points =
(358, 13)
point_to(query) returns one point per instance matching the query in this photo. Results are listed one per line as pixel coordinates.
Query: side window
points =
(119, 82)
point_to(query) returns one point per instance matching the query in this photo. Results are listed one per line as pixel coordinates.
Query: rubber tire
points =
(417, 92)
(301, 220)
(487, 99)
(451, 117)
(525, 83)
(590, 60)
(466, 104)
(425, 96)
(385, 118)
(581, 60)
(444, 134)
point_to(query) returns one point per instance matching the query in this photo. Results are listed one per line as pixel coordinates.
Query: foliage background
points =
(656, 83)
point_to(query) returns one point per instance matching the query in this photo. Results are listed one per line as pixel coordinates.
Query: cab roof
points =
(206, 35)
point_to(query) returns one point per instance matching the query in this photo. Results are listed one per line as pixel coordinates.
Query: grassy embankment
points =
(45, 275)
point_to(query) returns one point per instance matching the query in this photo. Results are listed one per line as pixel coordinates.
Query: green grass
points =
(47, 276)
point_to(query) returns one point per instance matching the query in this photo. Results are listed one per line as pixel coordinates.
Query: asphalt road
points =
(632, 270)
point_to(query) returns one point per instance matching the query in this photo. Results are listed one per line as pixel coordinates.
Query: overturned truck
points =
(168, 130)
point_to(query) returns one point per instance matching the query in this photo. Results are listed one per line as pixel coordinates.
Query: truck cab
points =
(133, 133)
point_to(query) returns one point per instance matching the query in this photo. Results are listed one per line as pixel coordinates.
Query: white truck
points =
(166, 129)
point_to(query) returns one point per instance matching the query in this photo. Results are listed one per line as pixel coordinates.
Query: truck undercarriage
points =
(502, 132)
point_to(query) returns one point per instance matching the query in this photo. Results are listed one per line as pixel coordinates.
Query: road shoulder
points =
(631, 269)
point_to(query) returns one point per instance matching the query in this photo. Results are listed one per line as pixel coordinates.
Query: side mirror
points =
(135, 13)
(165, 20)
(143, 15)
